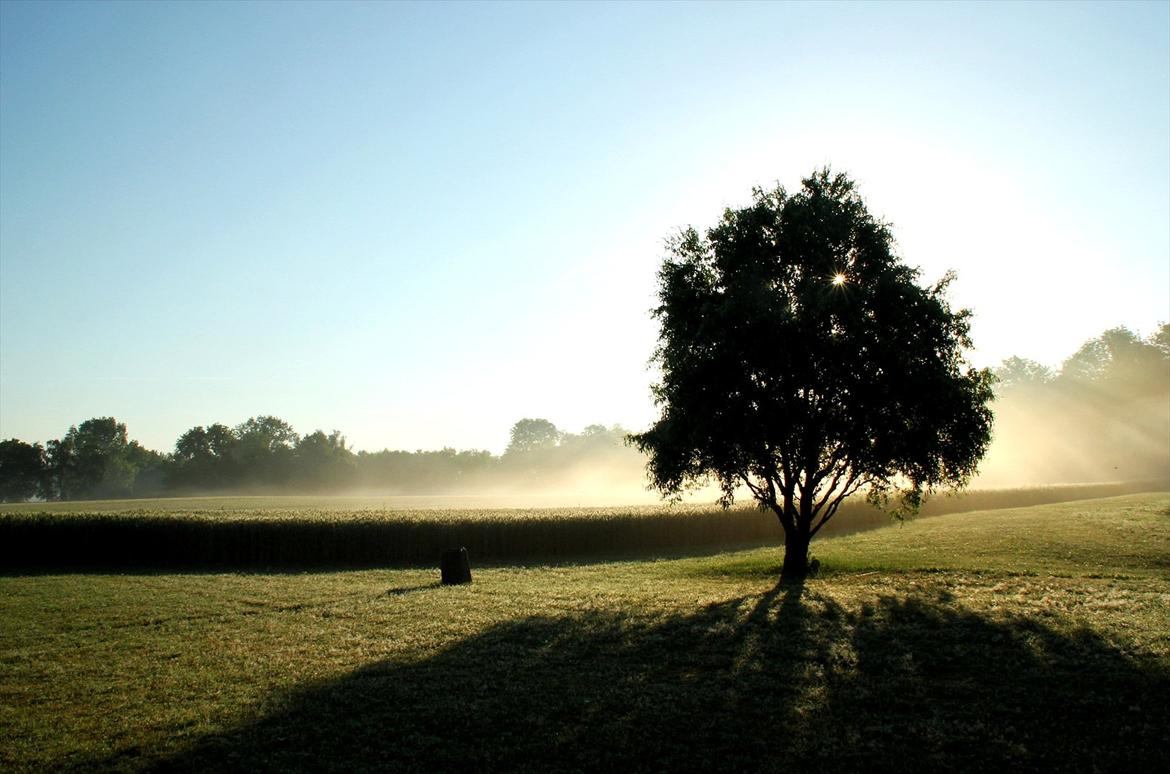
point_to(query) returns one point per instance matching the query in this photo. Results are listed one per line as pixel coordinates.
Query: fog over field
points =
(1059, 438)
(1103, 416)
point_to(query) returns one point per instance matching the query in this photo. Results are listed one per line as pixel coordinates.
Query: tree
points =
(263, 449)
(204, 459)
(193, 448)
(801, 359)
(221, 440)
(96, 460)
(22, 470)
(149, 470)
(1019, 372)
(324, 461)
(91, 461)
(267, 433)
(1160, 339)
(1121, 358)
(530, 435)
(60, 465)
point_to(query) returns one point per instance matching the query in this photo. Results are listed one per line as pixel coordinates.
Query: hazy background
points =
(420, 223)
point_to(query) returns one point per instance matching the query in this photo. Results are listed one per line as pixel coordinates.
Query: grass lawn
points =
(1031, 638)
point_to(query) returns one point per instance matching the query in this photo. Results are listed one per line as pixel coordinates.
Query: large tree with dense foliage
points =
(97, 460)
(263, 451)
(22, 470)
(204, 459)
(90, 461)
(801, 359)
(323, 462)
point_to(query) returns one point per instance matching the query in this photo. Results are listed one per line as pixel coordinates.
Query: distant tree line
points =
(1103, 415)
(93, 460)
(96, 460)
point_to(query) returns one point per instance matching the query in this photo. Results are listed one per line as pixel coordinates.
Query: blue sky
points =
(420, 223)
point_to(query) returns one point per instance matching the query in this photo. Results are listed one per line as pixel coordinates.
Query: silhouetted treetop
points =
(1119, 355)
(22, 470)
(801, 358)
(530, 435)
(1019, 372)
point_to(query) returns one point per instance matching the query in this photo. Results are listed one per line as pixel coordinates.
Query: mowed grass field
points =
(1033, 638)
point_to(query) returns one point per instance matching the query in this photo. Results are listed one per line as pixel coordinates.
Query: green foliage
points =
(265, 454)
(97, 467)
(800, 358)
(204, 459)
(532, 435)
(324, 462)
(1020, 373)
(1160, 339)
(445, 470)
(96, 460)
(263, 450)
(1118, 357)
(22, 470)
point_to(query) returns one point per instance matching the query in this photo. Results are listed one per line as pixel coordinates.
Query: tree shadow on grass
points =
(404, 590)
(774, 682)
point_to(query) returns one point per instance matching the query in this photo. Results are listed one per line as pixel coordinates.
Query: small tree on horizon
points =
(801, 359)
(532, 435)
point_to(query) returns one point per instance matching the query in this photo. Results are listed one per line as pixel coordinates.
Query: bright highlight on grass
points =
(838, 279)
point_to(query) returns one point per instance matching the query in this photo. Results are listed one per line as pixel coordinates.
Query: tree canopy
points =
(21, 470)
(96, 459)
(801, 358)
(264, 455)
(530, 435)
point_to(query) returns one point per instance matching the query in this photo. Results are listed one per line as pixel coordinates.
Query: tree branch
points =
(852, 485)
(756, 491)
(839, 472)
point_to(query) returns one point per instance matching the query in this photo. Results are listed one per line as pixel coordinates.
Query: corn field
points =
(308, 538)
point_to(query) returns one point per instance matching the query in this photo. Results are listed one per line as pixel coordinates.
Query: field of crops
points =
(1019, 639)
(315, 532)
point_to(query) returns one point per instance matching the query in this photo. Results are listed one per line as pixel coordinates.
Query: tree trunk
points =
(795, 555)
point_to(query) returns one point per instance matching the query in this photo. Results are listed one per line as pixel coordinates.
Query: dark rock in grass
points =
(455, 567)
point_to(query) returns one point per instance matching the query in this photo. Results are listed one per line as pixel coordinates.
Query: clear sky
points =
(420, 223)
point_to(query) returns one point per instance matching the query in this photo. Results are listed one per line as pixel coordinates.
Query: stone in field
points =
(455, 567)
